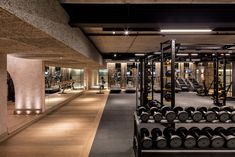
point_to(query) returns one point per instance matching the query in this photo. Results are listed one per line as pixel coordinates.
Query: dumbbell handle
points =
(196, 134)
(208, 134)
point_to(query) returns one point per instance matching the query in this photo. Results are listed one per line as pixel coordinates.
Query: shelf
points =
(196, 150)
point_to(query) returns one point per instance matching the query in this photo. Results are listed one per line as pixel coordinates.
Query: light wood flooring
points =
(67, 132)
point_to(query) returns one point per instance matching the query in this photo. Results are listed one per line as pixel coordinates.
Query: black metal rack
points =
(141, 152)
(168, 50)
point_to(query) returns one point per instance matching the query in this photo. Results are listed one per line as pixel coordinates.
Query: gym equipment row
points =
(188, 138)
(188, 114)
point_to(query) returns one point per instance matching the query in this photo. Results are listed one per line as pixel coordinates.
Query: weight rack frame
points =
(140, 152)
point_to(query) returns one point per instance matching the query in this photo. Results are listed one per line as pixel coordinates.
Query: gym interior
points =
(121, 78)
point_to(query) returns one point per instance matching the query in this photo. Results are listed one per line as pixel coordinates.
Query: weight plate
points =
(157, 117)
(147, 143)
(183, 116)
(217, 142)
(190, 142)
(210, 116)
(170, 116)
(144, 117)
(203, 142)
(230, 142)
(161, 142)
(197, 116)
(224, 116)
(175, 141)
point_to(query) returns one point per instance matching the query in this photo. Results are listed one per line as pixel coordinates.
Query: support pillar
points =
(29, 80)
(233, 78)
(3, 95)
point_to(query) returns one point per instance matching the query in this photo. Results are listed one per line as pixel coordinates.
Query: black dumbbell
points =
(216, 140)
(154, 103)
(208, 115)
(146, 141)
(168, 96)
(181, 114)
(189, 140)
(174, 140)
(168, 85)
(159, 141)
(168, 113)
(230, 111)
(142, 112)
(222, 116)
(202, 140)
(227, 135)
(157, 115)
(168, 73)
(196, 116)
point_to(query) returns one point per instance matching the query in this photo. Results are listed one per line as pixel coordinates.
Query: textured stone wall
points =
(49, 17)
(3, 94)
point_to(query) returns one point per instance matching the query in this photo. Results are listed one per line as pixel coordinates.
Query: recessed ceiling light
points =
(114, 32)
(115, 55)
(139, 54)
(185, 30)
(181, 54)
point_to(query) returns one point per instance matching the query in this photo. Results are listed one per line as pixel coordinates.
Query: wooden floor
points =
(67, 132)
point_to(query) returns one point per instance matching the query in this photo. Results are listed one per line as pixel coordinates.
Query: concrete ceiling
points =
(144, 1)
(22, 39)
(98, 22)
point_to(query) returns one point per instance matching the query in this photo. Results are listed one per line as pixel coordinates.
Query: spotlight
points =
(18, 112)
(126, 32)
(28, 111)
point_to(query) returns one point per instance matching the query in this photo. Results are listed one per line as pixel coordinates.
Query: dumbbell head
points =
(202, 140)
(142, 112)
(168, 97)
(158, 140)
(223, 116)
(146, 141)
(232, 112)
(208, 115)
(182, 115)
(174, 140)
(157, 116)
(189, 140)
(169, 115)
(154, 103)
(216, 140)
(230, 139)
(195, 115)
(168, 73)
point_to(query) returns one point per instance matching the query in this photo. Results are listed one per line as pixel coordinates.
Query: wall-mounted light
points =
(185, 30)
(126, 32)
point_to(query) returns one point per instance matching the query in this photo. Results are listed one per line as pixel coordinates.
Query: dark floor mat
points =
(115, 133)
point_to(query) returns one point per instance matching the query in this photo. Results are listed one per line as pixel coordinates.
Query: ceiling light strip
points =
(185, 30)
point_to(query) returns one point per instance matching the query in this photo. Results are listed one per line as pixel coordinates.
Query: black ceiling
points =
(214, 16)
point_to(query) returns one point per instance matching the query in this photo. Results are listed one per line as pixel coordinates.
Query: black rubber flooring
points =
(114, 137)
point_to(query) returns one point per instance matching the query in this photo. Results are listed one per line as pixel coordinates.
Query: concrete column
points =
(123, 75)
(29, 81)
(233, 78)
(111, 71)
(3, 95)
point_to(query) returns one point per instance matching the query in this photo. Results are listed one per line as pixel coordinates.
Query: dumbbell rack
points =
(141, 152)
